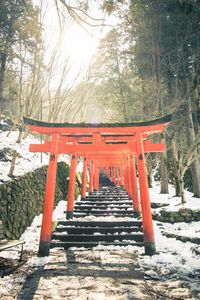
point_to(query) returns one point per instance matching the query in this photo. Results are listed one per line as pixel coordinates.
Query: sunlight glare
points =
(80, 45)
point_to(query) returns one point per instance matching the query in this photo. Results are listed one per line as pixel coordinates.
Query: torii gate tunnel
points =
(114, 149)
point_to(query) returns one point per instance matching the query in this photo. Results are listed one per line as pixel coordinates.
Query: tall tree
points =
(19, 32)
(166, 48)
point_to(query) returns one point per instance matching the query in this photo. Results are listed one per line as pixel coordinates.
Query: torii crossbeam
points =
(112, 148)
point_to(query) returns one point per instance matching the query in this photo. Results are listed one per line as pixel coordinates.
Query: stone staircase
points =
(93, 228)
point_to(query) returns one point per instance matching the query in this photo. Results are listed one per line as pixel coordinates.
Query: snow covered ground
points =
(26, 162)
(174, 202)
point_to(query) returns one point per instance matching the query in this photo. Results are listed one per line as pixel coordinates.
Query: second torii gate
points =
(112, 147)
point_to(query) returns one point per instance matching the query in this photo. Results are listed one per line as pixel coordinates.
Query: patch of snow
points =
(174, 202)
(171, 254)
(191, 230)
(103, 218)
(58, 213)
(27, 161)
(38, 261)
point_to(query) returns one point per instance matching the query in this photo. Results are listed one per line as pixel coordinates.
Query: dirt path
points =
(93, 275)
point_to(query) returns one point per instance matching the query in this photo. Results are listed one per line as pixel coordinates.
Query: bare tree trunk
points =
(159, 109)
(190, 132)
(195, 171)
(164, 188)
(11, 129)
(12, 166)
(150, 181)
(26, 133)
(182, 192)
(177, 187)
(19, 139)
(3, 60)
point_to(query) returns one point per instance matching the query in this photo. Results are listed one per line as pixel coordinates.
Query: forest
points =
(146, 66)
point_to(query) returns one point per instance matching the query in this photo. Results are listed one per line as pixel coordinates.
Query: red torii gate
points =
(110, 147)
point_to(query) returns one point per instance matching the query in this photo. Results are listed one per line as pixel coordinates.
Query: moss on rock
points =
(22, 198)
(182, 215)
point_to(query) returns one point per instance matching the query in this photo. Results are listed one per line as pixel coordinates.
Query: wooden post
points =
(84, 179)
(45, 235)
(71, 188)
(135, 197)
(149, 241)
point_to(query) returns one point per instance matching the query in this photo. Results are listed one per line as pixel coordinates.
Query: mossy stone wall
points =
(22, 198)
(182, 215)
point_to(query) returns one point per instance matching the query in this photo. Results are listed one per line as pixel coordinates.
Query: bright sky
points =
(76, 44)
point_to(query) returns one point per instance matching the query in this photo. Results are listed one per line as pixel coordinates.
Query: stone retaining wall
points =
(182, 215)
(22, 198)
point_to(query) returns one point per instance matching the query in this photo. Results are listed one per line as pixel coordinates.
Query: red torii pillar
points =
(125, 178)
(84, 179)
(122, 176)
(71, 188)
(45, 235)
(118, 176)
(110, 173)
(148, 232)
(91, 167)
(135, 197)
(129, 178)
(96, 181)
(115, 174)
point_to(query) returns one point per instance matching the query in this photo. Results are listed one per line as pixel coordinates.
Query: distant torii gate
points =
(112, 148)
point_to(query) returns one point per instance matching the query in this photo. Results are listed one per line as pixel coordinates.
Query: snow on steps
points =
(88, 234)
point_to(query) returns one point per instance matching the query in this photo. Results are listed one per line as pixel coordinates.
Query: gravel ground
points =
(92, 275)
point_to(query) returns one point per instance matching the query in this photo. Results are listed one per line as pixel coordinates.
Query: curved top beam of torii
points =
(147, 127)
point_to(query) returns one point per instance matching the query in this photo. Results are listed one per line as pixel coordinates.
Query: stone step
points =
(126, 203)
(106, 200)
(90, 233)
(131, 223)
(105, 211)
(103, 193)
(107, 196)
(82, 202)
(100, 214)
(102, 207)
(138, 237)
(120, 200)
(91, 230)
(89, 245)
